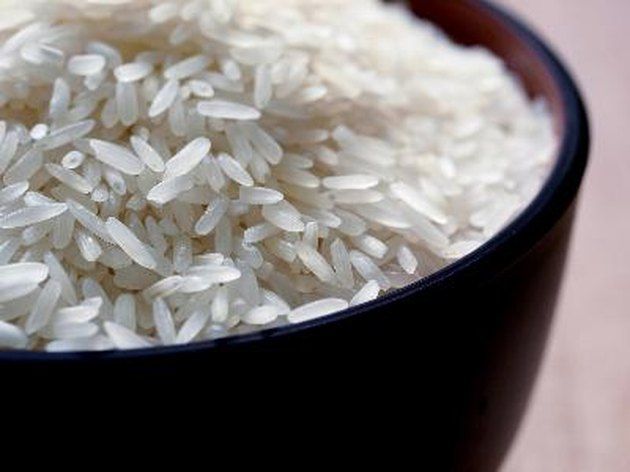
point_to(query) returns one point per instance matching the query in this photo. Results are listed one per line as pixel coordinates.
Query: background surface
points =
(579, 419)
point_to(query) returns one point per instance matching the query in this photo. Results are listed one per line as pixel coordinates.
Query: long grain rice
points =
(175, 171)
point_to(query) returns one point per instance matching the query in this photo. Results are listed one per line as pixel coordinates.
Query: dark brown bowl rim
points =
(520, 236)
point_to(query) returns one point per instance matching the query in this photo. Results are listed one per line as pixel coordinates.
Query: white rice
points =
(187, 67)
(341, 262)
(127, 103)
(193, 326)
(169, 190)
(69, 178)
(213, 274)
(11, 193)
(148, 154)
(317, 309)
(117, 157)
(264, 143)
(39, 131)
(188, 158)
(129, 242)
(86, 64)
(263, 89)
(211, 218)
(123, 337)
(164, 98)
(260, 196)
(164, 324)
(88, 246)
(25, 167)
(367, 293)
(133, 72)
(175, 172)
(43, 307)
(31, 215)
(89, 220)
(261, 315)
(234, 170)
(315, 263)
(201, 89)
(17, 274)
(351, 182)
(73, 159)
(65, 135)
(83, 313)
(12, 337)
(407, 260)
(284, 216)
(125, 311)
(223, 109)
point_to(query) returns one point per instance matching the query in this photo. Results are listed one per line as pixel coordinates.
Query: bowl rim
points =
(552, 201)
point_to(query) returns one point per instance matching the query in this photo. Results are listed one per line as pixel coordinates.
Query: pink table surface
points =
(579, 418)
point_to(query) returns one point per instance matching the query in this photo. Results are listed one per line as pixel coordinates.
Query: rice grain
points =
(181, 171)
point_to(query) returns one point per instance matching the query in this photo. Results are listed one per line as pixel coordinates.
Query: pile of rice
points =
(182, 171)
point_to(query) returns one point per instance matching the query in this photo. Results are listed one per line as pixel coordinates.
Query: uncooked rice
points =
(179, 171)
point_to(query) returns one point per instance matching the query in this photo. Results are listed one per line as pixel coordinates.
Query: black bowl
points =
(458, 350)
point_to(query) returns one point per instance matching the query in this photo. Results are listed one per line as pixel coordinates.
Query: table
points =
(579, 418)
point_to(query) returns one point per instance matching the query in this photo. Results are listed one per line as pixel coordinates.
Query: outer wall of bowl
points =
(452, 357)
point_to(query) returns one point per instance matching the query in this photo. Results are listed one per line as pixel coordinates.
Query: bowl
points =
(458, 350)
